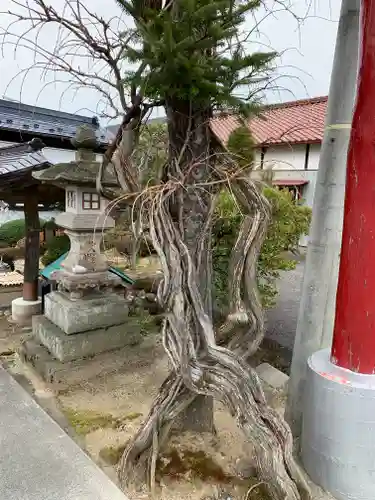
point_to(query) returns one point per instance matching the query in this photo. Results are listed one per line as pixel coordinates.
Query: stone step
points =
(81, 345)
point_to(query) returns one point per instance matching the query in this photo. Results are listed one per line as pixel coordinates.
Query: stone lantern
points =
(84, 220)
(84, 316)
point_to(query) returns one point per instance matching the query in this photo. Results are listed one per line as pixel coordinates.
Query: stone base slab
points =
(24, 310)
(72, 373)
(81, 282)
(71, 347)
(83, 315)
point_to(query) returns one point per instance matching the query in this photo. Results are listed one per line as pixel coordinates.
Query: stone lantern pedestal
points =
(84, 316)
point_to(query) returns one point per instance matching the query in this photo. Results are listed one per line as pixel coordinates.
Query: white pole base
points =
(338, 431)
(24, 310)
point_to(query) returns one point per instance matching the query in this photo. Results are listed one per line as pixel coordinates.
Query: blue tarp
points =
(56, 266)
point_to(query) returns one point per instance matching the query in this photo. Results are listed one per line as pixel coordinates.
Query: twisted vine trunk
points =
(179, 215)
(192, 209)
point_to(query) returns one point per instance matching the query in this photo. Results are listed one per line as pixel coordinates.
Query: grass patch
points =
(143, 322)
(87, 421)
(132, 416)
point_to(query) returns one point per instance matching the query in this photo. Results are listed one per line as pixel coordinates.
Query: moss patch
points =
(184, 464)
(131, 416)
(87, 421)
(111, 454)
(178, 463)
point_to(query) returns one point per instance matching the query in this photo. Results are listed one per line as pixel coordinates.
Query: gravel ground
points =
(282, 319)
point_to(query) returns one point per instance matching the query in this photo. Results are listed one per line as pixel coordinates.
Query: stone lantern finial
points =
(85, 141)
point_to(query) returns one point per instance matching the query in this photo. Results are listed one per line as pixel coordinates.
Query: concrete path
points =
(282, 319)
(38, 461)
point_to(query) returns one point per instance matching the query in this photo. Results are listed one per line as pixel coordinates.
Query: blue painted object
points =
(56, 266)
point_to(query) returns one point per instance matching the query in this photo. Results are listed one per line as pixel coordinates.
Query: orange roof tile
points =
(290, 122)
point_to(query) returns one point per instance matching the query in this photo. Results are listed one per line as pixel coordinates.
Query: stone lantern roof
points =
(84, 169)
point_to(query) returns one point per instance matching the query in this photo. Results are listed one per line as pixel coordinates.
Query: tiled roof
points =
(43, 122)
(22, 157)
(11, 278)
(290, 122)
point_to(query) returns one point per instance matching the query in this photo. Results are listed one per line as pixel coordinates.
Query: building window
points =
(90, 201)
(71, 199)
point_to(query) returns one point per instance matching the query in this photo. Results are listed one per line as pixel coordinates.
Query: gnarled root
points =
(137, 465)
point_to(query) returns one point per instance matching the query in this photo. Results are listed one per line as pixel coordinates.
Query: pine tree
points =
(194, 63)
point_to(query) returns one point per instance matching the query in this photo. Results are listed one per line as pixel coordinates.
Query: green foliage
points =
(51, 224)
(55, 248)
(184, 56)
(14, 230)
(241, 145)
(150, 154)
(289, 221)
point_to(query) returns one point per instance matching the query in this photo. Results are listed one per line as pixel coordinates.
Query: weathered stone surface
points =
(24, 310)
(84, 222)
(100, 311)
(70, 347)
(272, 376)
(41, 360)
(85, 281)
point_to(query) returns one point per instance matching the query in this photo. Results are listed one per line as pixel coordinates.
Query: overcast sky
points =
(306, 61)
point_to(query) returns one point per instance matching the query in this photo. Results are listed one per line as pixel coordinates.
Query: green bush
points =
(55, 248)
(14, 230)
(290, 221)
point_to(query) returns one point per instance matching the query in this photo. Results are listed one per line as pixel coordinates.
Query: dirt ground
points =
(103, 402)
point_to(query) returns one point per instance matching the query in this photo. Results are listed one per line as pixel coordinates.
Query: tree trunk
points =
(190, 157)
(180, 218)
(32, 227)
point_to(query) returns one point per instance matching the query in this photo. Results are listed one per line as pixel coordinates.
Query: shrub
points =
(289, 222)
(14, 230)
(55, 248)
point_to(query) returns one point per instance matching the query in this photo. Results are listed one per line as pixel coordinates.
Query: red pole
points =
(354, 332)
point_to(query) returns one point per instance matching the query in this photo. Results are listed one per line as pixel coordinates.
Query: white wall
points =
(53, 155)
(314, 156)
(288, 164)
(285, 157)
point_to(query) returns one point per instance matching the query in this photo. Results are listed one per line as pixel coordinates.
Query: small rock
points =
(141, 294)
(151, 297)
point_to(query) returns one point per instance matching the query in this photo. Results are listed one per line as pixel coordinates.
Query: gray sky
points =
(306, 61)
